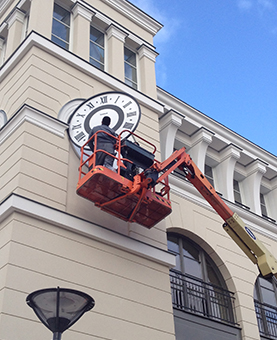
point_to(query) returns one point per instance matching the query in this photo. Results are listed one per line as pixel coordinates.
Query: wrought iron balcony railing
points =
(201, 298)
(267, 319)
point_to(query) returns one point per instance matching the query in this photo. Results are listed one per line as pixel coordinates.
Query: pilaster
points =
(2, 50)
(147, 59)
(169, 125)
(224, 171)
(15, 31)
(200, 142)
(41, 17)
(115, 41)
(252, 183)
(81, 17)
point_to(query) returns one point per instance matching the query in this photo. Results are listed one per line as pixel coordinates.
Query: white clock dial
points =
(123, 110)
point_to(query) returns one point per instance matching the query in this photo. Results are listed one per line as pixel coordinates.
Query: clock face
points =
(123, 110)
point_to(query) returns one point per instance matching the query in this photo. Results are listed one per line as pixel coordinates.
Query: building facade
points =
(184, 278)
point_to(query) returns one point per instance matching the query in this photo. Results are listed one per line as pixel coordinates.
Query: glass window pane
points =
(265, 283)
(190, 251)
(209, 174)
(96, 36)
(267, 291)
(268, 297)
(236, 185)
(59, 42)
(237, 195)
(212, 275)
(60, 31)
(263, 206)
(61, 14)
(128, 72)
(96, 64)
(97, 53)
(129, 56)
(192, 267)
(60, 26)
(173, 246)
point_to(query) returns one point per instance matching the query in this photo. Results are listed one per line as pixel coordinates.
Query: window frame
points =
(67, 43)
(237, 191)
(196, 295)
(263, 205)
(130, 81)
(265, 311)
(103, 47)
(209, 178)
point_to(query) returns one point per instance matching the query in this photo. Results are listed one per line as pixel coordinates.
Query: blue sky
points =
(221, 58)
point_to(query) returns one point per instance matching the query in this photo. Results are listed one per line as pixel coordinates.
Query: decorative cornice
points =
(61, 219)
(231, 151)
(257, 166)
(135, 14)
(3, 4)
(37, 40)
(113, 31)
(202, 135)
(171, 118)
(80, 9)
(223, 133)
(185, 189)
(145, 51)
(29, 114)
(16, 15)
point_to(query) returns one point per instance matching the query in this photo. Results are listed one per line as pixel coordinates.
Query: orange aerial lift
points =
(138, 191)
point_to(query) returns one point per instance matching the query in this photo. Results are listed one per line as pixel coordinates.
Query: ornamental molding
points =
(16, 15)
(184, 189)
(170, 118)
(145, 51)
(230, 151)
(22, 205)
(221, 132)
(135, 14)
(80, 9)
(4, 4)
(257, 166)
(36, 40)
(202, 135)
(114, 31)
(29, 114)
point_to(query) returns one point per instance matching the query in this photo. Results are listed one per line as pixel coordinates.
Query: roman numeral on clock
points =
(74, 127)
(128, 126)
(104, 99)
(130, 114)
(80, 136)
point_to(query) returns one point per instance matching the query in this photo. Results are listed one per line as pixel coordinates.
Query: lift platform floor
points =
(111, 192)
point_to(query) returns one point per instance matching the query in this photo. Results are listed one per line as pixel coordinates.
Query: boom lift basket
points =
(129, 192)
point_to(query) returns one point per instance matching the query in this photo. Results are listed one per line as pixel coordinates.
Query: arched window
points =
(265, 299)
(196, 283)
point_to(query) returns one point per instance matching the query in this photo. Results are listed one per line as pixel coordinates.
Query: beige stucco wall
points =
(132, 294)
(34, 163)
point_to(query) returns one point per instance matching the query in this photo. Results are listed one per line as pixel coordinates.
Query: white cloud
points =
(266, 4)
(256, 4)
(245, 4)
